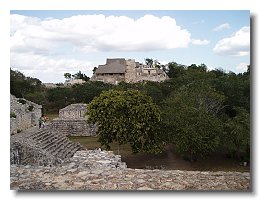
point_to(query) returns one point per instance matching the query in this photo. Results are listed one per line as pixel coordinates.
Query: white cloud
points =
(46, 68)
(98, 33)
(199, 42)
(236, 45)
(222, 27)
(241, 67)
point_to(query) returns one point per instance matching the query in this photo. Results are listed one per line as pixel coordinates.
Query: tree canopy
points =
(126, 117)
(190, 116)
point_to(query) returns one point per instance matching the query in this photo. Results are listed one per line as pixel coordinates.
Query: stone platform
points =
(69, 177)
(102, 170)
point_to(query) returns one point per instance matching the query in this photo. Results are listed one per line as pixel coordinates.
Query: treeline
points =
(202, 111)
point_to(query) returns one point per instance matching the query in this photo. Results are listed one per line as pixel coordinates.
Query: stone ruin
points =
(41, 147)
(45, 147)
(42, 159)
(72, 121)
(23, 114)
(49, 146)
(120, 69)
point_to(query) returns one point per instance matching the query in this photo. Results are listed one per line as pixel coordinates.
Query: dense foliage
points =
(190, 115)
(202, 111)
(126, 117)
(21, 85)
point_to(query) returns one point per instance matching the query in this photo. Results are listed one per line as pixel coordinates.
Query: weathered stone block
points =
(24, 115)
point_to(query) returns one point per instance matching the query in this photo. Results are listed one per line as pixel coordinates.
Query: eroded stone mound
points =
(96, 159)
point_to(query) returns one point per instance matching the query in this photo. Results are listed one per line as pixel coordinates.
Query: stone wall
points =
(109, 78)
(24, 114)
(72, 121)
(151, 77)
(73, 127)
(130, 75)
(73, 111)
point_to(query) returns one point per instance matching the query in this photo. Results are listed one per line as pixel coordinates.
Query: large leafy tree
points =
(190, 118)
(236, 88)
(175, 70)
(126, 117)
(236, 135)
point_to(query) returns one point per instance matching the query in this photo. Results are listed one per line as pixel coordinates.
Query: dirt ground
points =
(172, 161)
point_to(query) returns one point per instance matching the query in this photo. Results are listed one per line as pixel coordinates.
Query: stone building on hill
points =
(119, 69)
(73, 111)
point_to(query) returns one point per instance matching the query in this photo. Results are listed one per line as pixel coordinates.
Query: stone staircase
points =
(41, 147)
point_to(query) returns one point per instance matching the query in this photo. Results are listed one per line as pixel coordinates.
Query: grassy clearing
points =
(92, 143)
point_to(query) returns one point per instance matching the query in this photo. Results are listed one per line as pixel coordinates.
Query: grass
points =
(92, 143)
(52, 116)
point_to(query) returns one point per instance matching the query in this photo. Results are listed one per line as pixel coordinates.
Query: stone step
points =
(53, 139)
(62, 150)
(42, 135)
(38, 133)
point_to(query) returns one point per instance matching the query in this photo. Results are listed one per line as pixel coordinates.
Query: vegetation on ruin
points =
(12, 115)
(203, 112)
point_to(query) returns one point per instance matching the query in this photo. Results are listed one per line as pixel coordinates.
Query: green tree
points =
(94, 70)
(21, 85)
(236, 89)
(80, 75)
(126, 117)
(157, 64)
(190, 116)
(67, 76)
(236, 135)
(218, 72)
(175, 70)
(149, 62)
(59, 98)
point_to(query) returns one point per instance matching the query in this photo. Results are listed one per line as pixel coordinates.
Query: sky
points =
(47, 44)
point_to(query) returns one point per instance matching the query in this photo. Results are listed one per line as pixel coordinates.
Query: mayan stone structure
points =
(41, 147)
(119, 69)
(23, 114)
(72, 121)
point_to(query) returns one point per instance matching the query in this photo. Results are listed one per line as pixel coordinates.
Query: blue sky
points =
(46, 44)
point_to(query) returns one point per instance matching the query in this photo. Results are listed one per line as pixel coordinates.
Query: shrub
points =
(12, 115)
(30, 108)
(22, 101)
